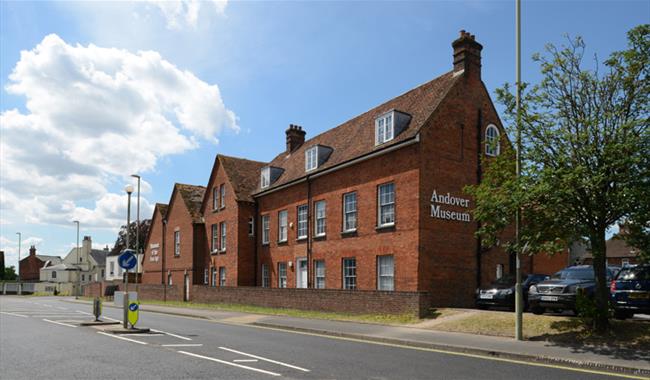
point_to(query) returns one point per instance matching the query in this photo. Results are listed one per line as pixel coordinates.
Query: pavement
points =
(584, 356)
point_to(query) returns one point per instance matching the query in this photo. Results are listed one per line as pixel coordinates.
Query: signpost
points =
(127, 261)
(134, 308)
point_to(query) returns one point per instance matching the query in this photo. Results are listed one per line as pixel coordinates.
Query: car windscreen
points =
(635, 273)
(574, 274)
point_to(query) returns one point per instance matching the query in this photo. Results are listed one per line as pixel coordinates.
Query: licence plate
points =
(639, 295)
(486, 296)
(549, 298)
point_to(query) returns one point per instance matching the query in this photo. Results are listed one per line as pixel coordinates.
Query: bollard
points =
(97, 308)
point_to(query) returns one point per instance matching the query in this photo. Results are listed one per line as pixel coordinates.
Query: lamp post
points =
(137, 234)
(519, 301)
(20, 236)
(78, 264)
(129, 190)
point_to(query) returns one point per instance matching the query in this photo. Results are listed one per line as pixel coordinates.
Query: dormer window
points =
(384, 128)
(311, 158)
(265, 177)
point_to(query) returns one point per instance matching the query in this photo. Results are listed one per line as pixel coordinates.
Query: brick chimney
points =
(32, 251)
(467, 54)
(87, 244)
(295, 137)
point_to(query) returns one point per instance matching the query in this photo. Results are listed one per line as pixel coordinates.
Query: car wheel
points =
(537, 310)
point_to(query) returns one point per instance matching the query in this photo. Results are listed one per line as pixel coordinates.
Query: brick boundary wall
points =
(327, 300)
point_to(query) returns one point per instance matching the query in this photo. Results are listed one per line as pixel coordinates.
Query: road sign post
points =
(134, 308)
(127, 261)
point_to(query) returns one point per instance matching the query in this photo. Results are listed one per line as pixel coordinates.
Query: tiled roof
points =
(52, 259)
(356, 137)
(162, 208)
(99, 255)
(243, 175)
(193, 197)
(617, 247)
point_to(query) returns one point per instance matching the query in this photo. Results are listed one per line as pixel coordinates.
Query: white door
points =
(301, 279)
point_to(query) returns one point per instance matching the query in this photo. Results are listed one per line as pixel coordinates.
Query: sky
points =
(92, 92)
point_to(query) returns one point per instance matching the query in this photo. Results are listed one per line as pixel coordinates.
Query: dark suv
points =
(501, 293)
(630, 291)
(559, 292)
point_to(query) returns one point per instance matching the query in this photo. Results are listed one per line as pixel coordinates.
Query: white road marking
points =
(111, 319)
(83, 312)
(229, 363)
(245, 360)
(121, 337)
(50, 315)
(170, 334)
(183, 345)
(146, 334)
(62, 308)
(265, 359)
(58, 323)
(14, 314)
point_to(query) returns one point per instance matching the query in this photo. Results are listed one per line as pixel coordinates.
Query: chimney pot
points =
(295, 137)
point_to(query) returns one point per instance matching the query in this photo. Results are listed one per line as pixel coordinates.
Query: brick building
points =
(375, 203)
(30, 266)
(175, 245)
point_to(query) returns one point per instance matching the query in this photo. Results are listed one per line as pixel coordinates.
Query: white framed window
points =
(385, 272)
(206, 276)
(83, 277)
(214, 243)
(311, 158)
(320, 225)
(303, 211)
(492, 142)
(384, 128)
(266, 229)
(222, 276)
(251, 226)
(319, 274)
(266, 280)
(282, 226)
(215, 198)
(386, 202)
(214, 277)
(112, 266)
(53, 274)
(223, 237)
(265, 177)
(349, 211)
(350, 273)
(282, 275)
(222, 189)
(177, 243)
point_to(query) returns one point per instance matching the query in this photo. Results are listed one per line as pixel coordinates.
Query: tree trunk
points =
(601, 295)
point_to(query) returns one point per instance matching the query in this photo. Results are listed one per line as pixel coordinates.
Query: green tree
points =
(120, 242)
(585, 149)
(10, 274)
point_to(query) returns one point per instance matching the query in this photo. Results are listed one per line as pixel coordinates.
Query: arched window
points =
(492, 143)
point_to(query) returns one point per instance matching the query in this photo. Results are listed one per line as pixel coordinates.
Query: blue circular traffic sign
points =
(133, 307)
(127, 259)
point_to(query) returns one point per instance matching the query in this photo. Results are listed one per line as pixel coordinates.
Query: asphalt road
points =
(40, 339)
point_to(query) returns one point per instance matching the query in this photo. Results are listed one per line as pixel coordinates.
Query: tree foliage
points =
(120, 243)
(585, 148)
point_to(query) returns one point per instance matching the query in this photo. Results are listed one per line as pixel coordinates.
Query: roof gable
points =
(192, 197)
(356, 137)
(242, 174)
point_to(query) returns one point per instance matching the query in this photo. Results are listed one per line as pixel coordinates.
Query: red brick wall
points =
(29, 268)
(152, 264)
(399, 167)
(545, 264)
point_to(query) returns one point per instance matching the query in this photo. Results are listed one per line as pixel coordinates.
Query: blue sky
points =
(236, 72)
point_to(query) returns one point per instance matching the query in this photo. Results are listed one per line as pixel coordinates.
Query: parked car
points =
(559, 292)
(501, 293)
(630, 291)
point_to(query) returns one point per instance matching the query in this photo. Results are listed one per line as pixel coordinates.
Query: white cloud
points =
(94, 116)
(10, 248)
(186, 12)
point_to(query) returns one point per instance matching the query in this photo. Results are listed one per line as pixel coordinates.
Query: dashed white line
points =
(265, 359)
(170, 334)
(229, 363)
(14, 314)
(121, 337)
(245, 360)
(59, 323)
(62, 308)
(145, 334)
(83, 312)
(183, 345)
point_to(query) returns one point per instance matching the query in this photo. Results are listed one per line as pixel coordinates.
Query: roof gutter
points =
(345, 164)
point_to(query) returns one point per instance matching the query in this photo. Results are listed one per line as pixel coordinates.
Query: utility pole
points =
(78, 264)
(518, 291)
(20, 237)
(137, 235)
(129, 190)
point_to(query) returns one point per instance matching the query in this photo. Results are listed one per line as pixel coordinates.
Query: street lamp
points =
(137, 234)
(129, 190)
(78, 264)
(20, 236)
(519, 300)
